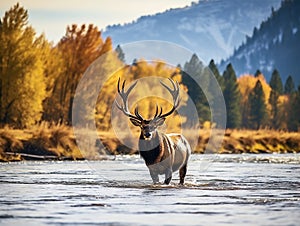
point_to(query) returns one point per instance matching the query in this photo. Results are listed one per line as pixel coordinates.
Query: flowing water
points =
(219, 190)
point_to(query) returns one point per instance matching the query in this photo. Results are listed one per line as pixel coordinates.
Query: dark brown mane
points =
(150, 150)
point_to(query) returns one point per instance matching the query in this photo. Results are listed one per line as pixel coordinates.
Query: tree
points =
(232, 98)
(22, 58)
(54, 68)
(276, 82)
(195, 68)
(257, 73)
(258, 110)
(293, 122)
(246, 86)
(106, 70)
(277, 90)
(120, 53)
(289, 86)
(78, 48)
(212, 66)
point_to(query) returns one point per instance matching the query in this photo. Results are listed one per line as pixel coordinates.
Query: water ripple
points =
(230, 190)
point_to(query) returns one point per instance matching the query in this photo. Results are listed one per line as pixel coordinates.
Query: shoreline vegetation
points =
(28, 61)
(57, 142)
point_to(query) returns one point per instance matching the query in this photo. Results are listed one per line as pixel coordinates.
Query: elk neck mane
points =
(152, 150)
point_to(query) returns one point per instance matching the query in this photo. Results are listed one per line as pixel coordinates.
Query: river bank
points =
(57, 142)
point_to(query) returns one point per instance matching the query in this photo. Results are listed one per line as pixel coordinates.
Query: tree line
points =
(38, 81)
(251, 102)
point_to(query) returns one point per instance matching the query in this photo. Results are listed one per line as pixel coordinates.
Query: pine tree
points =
(289, 86)
(258, 110)
(232, 98)
(277, 90)
(293, 122)
(276, 82)
(257, 73)
(22, 59)
(246, 86)
(194, 68)
(212, 66)
(120, 53)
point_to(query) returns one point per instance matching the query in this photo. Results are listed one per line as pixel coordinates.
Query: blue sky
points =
(52, 17)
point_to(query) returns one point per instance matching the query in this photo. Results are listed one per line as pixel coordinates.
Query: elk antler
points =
(176, 100)
(124, 96)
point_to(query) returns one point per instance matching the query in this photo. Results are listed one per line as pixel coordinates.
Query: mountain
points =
(210, 28)
(274, 45)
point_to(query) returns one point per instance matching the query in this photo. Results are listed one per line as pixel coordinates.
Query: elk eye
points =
(152, 127)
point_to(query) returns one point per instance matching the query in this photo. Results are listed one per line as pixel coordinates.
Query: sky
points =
(52, 17)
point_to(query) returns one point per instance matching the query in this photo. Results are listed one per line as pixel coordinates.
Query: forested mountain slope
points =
(274, 45)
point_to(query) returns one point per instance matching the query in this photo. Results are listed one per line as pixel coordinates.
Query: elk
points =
(162, 153)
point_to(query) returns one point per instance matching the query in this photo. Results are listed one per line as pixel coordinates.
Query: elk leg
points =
(182, 173)
(168, 176)
(154, 177)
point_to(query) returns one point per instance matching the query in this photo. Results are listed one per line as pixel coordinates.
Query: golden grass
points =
(53, 141)
(233, 141)
(58, 142)
(9, 142)
(261, 141)
(48, 139)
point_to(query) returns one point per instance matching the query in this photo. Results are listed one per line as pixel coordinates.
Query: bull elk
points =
(162, 153)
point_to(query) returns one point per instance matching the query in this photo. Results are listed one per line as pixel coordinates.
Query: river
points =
(219, 190)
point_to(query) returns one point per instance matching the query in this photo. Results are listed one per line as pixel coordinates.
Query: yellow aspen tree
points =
(22, 79)
(80, 46)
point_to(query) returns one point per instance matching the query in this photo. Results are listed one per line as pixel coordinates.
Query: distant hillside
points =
(275, 44)
(211, 28)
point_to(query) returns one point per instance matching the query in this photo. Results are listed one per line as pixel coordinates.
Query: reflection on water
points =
(219, 190)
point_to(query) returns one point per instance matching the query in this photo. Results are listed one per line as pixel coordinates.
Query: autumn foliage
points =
(38, 81)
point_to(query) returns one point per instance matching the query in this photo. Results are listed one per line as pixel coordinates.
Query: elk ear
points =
(160, 122)
(135, 122)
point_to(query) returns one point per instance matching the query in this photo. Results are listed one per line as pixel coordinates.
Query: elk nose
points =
(147, 135)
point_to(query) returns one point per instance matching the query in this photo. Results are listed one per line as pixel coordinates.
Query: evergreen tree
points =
(258, 110)
(246, 86)
(120, 53)
(276, 82)
(289, 86)
(22, 59)
(293, 122)
(257, 73)
(195, 68)
(277, 90)
(232, 98)
(212, 66)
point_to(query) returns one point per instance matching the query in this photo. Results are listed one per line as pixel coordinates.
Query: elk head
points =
(148, 127)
